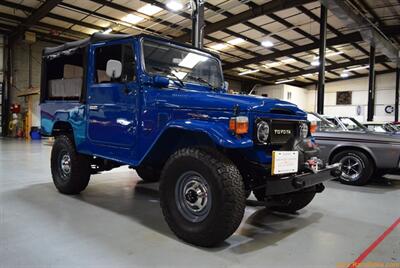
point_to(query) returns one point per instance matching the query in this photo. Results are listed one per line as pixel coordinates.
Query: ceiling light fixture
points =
(133, 19)
(107, 31)
(315, 63)
(284, 81)
(267, 43)
(218, 46)
(174, 5)
(149, 9)
(344, 75)
(236, 41)
(249, 72)
(357, 68)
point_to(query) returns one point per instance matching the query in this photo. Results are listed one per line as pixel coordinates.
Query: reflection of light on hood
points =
(191, 60)
(123, 121)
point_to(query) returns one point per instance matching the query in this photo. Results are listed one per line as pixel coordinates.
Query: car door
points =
(112, 102)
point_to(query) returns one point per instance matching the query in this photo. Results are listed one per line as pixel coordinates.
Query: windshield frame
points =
(180, 47)
(332, 126)
(358, 124)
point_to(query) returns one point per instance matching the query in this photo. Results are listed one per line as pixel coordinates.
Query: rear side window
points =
(121, 52)
(64, 73)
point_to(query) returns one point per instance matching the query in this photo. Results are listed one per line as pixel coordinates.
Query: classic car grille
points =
(282, 132)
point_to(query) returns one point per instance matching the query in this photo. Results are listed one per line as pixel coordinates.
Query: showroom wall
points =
(20, 78)
(385, 95)
(305, 98)
(289, 93)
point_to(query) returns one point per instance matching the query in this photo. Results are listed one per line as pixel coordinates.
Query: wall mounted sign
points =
(343, 97)
(389, 109)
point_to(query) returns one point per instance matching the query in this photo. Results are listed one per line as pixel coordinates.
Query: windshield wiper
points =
(201, 80)
(169, 71)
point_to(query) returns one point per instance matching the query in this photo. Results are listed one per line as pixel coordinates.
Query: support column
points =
(322, 48)
(396, 102)
(371, 85)
(198, 23)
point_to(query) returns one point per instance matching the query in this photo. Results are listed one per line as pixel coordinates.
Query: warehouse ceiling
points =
(259, 41)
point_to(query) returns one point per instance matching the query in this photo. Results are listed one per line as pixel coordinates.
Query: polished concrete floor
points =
(117, 222)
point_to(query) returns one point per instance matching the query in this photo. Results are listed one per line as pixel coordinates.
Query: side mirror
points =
(160, 81)
(114, 69)
(226, 85)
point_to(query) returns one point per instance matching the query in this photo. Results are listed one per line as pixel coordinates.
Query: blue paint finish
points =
(124, 121)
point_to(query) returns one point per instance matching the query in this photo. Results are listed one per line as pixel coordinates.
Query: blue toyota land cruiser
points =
(162, 108)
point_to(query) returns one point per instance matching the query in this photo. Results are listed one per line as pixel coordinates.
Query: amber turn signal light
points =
(313, 127)
(239, 125)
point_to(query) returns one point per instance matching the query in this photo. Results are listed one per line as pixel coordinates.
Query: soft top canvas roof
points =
(100, 37)
(96, 37)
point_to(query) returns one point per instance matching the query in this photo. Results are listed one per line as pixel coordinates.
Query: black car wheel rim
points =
(193, 196)
(65, 165)
(351, 168)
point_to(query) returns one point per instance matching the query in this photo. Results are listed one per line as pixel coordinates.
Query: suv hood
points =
(222, 101)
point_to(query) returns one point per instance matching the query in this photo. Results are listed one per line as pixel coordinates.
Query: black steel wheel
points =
(202, 196)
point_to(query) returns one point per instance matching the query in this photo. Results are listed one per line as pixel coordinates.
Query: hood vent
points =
(282, 111)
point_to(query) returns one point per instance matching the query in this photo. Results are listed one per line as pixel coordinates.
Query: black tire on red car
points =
(357, 168)
(202, 196)
(70, 170)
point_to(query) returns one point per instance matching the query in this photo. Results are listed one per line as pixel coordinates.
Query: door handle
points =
(93, 107)
(127, 91)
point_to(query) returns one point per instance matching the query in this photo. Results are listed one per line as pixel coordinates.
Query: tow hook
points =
(298, 183)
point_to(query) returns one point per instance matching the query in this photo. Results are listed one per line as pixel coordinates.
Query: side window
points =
(64, 74)
(121, 52)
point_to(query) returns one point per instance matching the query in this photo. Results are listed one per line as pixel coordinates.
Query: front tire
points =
(357, 167)
(70, 170)
(202, 196)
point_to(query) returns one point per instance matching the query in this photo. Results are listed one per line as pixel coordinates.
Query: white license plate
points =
(284, 162)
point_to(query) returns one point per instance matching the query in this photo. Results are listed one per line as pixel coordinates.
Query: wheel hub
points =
(193, 196)
(65, 164)
(351, 168)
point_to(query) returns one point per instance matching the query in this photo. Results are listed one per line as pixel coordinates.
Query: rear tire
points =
(357, 167)
(202, 196)
(148, 174)
(70, 170)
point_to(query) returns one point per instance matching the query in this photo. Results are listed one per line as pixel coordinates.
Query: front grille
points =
(282, 132)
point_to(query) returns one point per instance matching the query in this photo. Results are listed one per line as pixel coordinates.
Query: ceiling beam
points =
(265, 9)
(339, 40)
(378, 59)
(35, 17)
(359, 76)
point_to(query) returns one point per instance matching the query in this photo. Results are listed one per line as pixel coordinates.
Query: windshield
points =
(376, 128)
(182, 64)
(322, 123)
(351, 124)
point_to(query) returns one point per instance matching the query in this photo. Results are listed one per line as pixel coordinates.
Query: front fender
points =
(217, 131)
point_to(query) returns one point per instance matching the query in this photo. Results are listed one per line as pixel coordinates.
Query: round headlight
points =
(262, 132)
(303, 130)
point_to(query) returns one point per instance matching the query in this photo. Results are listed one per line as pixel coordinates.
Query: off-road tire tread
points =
(80, 167)
(232, 213)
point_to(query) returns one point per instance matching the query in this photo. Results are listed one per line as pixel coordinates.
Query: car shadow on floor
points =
(139, 201)
(378, 186)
